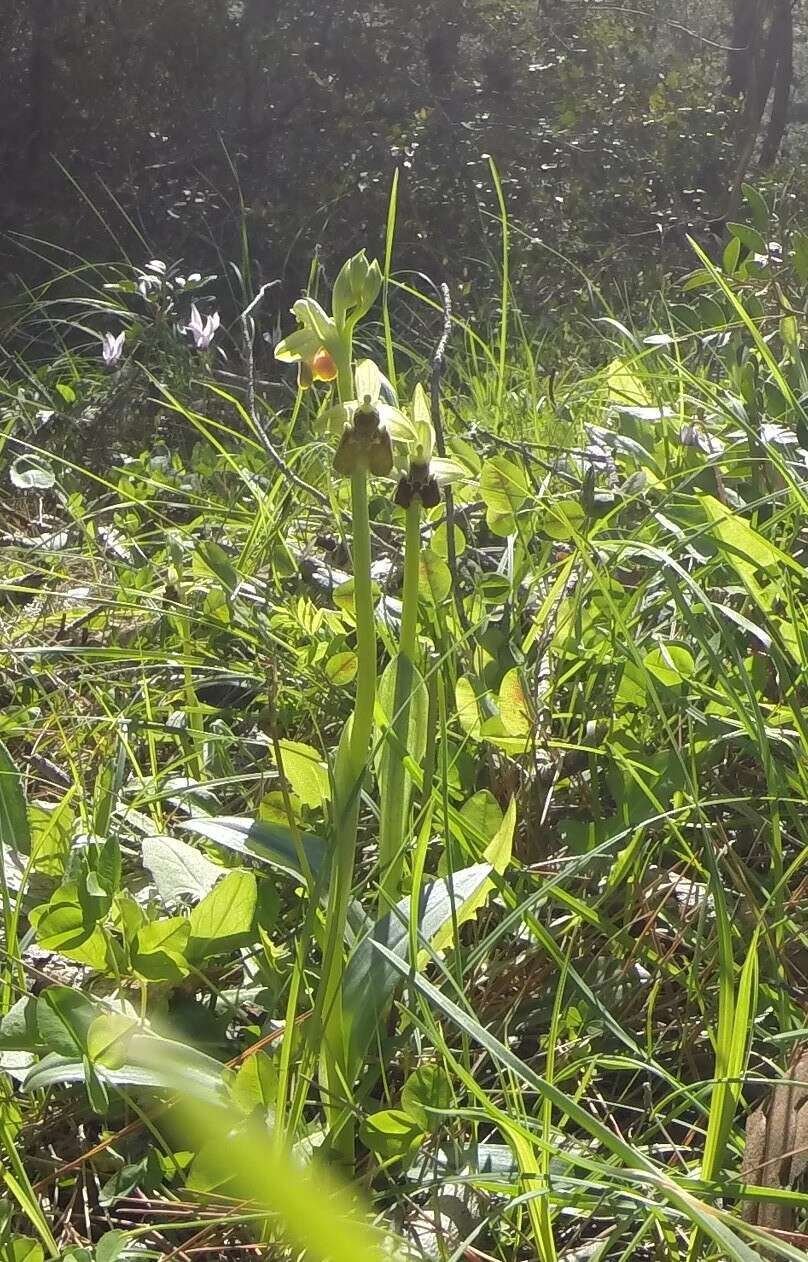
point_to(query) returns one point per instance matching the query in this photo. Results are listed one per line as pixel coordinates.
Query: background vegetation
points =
(403, 745)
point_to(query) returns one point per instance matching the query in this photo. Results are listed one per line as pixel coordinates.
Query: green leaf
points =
(340, 669)
(427, 1095)
(111, 1246)
(256, 1084)
(51, 826)
(14, 831)
(306, 772)
(503, 488)
(401, 683)
(24, 1249)
(18, 1028)
(799, 246)
(514, 706)
(468, 710)
(625, 386)
(153, 1062)
(498, 855)
(483, 815)
(743, 545)
(270, 842)
(215, 559)
(63, 1018)
(495, 731)
(670, 664)
(108, 1039)
(758, 209)
(224, 919)
(369, 980)
(434, 577)
(158, 951)
(440, 541)
(390, 1133)
(178, 869)
(749, 237)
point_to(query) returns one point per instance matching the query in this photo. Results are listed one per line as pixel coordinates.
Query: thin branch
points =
(656, 17)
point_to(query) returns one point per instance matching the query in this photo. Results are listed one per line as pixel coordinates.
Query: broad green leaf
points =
(434, 577)
(749, 237)
(108, 1039)
(158, 952)
(63, 1017)
(403, 711)
(495, 731)
(390, 1133)
(256, 1084)
(111, 1245)
(51, 828)
(216, 561)
(269, 842)
(23, 1249)
(483, 814)
(152, 1062)
(758, 208)
(498, 855)
(440, 541)
(14, 831)
(503, 488)
(670, 664)
(224, 918)
(369, 980)
(468, 710)
(401, 683)
(179, 869)
(306, 772)
(18, 1028)
(625, 386)
(514, 706)
(340, 669)
(427, 1095)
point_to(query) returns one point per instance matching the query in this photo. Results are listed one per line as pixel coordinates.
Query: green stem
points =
(408, 641)
(349, 772)
(394, 817)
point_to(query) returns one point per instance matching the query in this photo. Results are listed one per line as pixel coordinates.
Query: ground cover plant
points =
(403, 770)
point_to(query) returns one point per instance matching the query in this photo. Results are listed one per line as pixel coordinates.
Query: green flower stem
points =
(408, 641)
(395, 783)
(349, 773)
(342, 359)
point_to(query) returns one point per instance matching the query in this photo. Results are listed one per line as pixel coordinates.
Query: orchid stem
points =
(397, 789)
(349, 773)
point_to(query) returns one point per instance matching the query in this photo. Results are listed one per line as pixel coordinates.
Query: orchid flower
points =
(321, 346)
(203, 330)
(112, 348)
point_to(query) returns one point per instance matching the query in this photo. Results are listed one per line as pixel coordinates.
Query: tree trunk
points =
(783, 32)
(745, 40)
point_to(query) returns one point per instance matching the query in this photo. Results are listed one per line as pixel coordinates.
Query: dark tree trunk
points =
(783, 33)
(745, 41)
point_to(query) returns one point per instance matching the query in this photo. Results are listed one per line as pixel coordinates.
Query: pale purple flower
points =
(112, 348)
(202, 329)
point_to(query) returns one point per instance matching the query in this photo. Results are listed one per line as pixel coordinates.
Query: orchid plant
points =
(376, 439)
